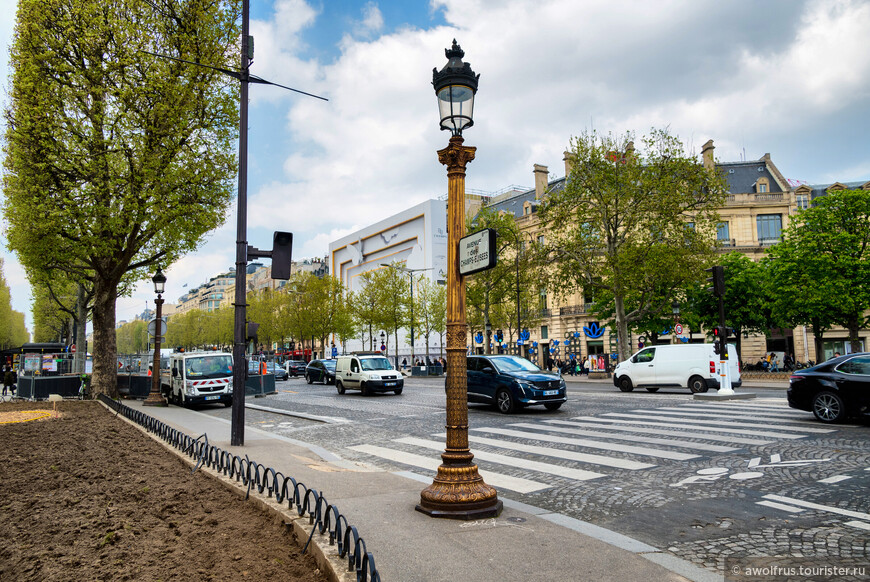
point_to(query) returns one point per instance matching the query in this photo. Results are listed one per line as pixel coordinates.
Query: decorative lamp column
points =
(458, 491)
(155, 398)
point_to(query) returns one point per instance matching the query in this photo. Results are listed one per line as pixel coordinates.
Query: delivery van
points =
(367, 372)
(694, 366)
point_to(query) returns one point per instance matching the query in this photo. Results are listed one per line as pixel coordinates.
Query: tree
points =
(117, 160)
(515, 271)
(822, 265)
(394, 301)
(430, 304)
(639, 225)
(133, 337)
(12, 330)
(366, 306)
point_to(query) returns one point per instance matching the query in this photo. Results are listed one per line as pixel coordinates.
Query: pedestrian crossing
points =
(585, 448)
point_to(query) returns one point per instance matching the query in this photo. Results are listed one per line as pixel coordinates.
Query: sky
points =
(785, 77)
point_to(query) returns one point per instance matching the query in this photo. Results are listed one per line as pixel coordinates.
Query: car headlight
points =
(524, 386)
(562, 384)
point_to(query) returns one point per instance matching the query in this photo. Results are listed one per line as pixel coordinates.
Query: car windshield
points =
(514, 364)
(209, 366)
(375, 364)
(329, 364)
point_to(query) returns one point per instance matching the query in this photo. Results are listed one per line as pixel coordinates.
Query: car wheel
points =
(697, 384)
(399, 391)
(625, 384)
(364, 390)
(552, 405)
(504, 401)
(339, 386)
(308, 378)
(228, 402)
(652, 388)
(829, 407)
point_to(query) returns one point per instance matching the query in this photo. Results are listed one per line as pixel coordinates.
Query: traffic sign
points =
(678, 329)
(152, 327)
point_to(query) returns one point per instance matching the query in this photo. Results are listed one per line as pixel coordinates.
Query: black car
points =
(511, 382)
(280, 373)
(295, 367)
(320, 371)
(834, 390)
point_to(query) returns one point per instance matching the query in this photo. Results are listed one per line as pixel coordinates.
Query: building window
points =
(541, 240)
(722, 234)
(762, 186)
(544, 332)
(802, 201)
(542, 299)
(769, 228)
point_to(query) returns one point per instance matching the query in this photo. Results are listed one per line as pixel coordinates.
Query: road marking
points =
(859, 525)
(767, 434)
(568, 472)
(630, 437)
(810, 505)
(835, 479)
(495, 479)
(780, 506)
(682, 434)
(713, 422)
(733, 416)
(645, 451)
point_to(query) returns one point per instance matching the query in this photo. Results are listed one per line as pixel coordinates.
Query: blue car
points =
(511, 383)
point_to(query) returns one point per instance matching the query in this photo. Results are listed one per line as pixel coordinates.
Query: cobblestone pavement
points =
(704, 481)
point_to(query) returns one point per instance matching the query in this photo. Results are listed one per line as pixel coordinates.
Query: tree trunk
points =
(104, 380)
(621, 328)
(80, 358)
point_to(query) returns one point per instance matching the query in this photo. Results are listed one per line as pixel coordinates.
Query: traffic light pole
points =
(724, 372)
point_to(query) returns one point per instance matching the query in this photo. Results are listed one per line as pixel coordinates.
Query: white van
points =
(367, 372)
(691, 365)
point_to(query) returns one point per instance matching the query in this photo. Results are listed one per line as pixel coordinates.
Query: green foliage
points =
(637, 225)
(430, 308)
(12, 330)
(822, 265)
(116, 159)
(133, 337)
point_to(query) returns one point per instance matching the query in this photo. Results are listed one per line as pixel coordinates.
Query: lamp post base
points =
(459, 492)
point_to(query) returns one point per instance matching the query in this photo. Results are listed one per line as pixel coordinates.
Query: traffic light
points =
(282, 252)
(499, 335)
(717, 278)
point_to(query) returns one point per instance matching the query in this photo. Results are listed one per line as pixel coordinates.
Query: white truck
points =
(198, 378)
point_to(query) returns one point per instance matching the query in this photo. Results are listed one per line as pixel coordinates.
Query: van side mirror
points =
(488, 370)
(634, 359)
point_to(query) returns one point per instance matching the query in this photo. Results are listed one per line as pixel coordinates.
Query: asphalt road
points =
(710, 482)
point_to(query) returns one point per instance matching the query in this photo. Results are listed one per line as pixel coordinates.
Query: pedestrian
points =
(7, 380)
(774, 362)
(404, 362)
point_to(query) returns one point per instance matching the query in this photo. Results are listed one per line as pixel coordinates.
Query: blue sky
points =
(785, 77)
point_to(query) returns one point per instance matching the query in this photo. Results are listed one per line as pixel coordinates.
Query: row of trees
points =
(312, 310)
(13, 333)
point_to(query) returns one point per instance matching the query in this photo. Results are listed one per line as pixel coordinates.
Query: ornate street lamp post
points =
(458, 491)
(155, 398)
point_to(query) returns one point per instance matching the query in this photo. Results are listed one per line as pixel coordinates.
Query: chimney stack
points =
(569, 163)
(707, 154)
(541, 180)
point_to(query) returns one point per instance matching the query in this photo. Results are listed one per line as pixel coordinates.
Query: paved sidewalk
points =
(523, 544)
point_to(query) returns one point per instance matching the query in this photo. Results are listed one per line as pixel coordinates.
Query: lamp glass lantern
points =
(159, 280)
(455, 86)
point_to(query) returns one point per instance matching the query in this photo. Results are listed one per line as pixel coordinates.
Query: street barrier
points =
(322, 516)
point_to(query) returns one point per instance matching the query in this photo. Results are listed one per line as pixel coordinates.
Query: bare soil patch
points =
(86, 496)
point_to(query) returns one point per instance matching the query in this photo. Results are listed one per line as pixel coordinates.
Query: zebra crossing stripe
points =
(737, 414)
(768, 434)
(780, 506)
(633, 438)
(729, 416)
(568, 472)
(645, 451)
(568, 455)
(517, 484)
(817, 506)
(859, 524)
(683, 434)
(712, 423)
